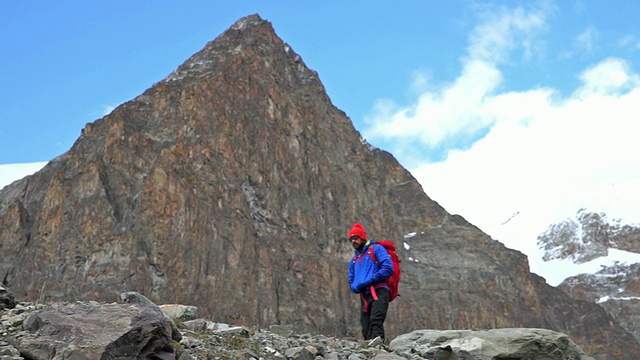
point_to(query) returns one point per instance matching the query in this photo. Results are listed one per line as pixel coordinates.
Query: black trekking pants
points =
(372, 321)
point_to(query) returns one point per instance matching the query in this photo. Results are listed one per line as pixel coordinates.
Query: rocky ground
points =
(139, 329)
(202, 339)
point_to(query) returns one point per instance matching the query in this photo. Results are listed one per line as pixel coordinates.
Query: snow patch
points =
(623, 298)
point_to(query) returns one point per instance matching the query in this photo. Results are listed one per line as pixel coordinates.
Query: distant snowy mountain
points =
(590, 243)
(587, 237)
(561, 244)
(603, 257)
(12, 172)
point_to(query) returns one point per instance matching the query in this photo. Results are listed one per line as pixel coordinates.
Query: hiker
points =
(367, 278)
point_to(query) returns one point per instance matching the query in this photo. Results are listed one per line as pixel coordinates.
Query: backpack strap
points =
(372, 254)
(373, 257)
(373, 292)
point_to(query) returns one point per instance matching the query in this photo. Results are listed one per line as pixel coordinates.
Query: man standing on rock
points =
(367, 277)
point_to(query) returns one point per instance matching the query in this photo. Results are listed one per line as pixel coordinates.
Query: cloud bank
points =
(533, 155)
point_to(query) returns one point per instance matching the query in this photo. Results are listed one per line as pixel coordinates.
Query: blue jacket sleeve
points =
(385, 265)
(351, 277)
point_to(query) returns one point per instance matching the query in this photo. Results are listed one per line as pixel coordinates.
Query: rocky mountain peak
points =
(231, 186)
(250, 37)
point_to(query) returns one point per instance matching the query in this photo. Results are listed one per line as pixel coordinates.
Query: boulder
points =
(94, 331)
(7, 300)
(505, 343)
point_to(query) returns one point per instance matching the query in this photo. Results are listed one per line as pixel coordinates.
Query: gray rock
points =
(86, 331)
(182, 312)
(199, 325)
(281, 330)
(7, 300)
(132, 297)
(301, 353)
(508, 343)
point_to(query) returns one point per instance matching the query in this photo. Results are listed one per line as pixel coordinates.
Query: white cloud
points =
(542, 156)
(547, 157)
(587, 39)
(459, 109)
(439, 116)
(504, 30)
(610, 77)
(629, 42)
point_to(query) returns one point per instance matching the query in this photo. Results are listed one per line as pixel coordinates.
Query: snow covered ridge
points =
(13, 172)
(617, 282)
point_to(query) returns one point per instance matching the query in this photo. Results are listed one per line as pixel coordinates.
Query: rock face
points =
(231, 185)
(615, 288)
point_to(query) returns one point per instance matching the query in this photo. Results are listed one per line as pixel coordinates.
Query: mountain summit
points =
(231, 185)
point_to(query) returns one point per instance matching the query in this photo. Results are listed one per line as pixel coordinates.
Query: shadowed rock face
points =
(616, 288)
(231, 184)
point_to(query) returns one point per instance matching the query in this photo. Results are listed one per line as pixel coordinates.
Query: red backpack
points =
(394, 279)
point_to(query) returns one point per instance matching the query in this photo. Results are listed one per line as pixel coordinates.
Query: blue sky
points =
(65, 64)
(514, 114)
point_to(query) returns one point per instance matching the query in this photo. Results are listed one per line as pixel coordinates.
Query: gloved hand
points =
(355, 289)
(366, 284)
(358, 288)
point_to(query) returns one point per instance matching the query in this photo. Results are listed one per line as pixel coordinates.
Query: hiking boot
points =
(376, 341)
